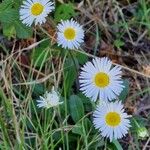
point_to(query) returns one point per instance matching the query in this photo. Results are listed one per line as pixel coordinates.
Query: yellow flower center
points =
(101, 79)
(113, 119)
(37, 9)
(70, 33)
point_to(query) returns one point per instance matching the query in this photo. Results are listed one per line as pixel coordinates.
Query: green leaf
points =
(87, 125)
(80, 127)
(40, 54)
(76, 108)
(8, 16)
(125, 91)
(118, 43)
(64, 12)
(86, 102)
(142, 132)
(17, 4)
(5, 4)
(7, 13)
(38, 89)
(138, 127)
(117, 145)
(22, 31)
(9, 30)
(77, 129)
(81, 58)
(70, 74)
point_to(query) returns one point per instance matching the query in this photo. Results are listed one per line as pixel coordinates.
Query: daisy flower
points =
(111, 120)
(70, 34)
(35, 11)
(50, 99)
(99, 80)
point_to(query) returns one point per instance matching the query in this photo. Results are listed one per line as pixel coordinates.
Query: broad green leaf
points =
(17, 3)
(64, 12)
(86, 102)
(8, 16)
(77, 129)
(76, 108)
(22, 31)
(7, 13)
(125, 91)
(80, 126)
(81, 58)
(5, 3)
(38, 89)
(9, 30)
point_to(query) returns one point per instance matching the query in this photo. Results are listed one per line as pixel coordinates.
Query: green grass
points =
(69, 126)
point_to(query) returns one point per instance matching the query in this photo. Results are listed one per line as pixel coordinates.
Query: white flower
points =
(70, 34)
(99, 80)
(111, 120)
(35, 11)
(50, 99)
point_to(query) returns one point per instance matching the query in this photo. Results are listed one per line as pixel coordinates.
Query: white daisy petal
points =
(99, 80)
(112, 123)
(70, 34)
(50, 99)
(35, 11)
